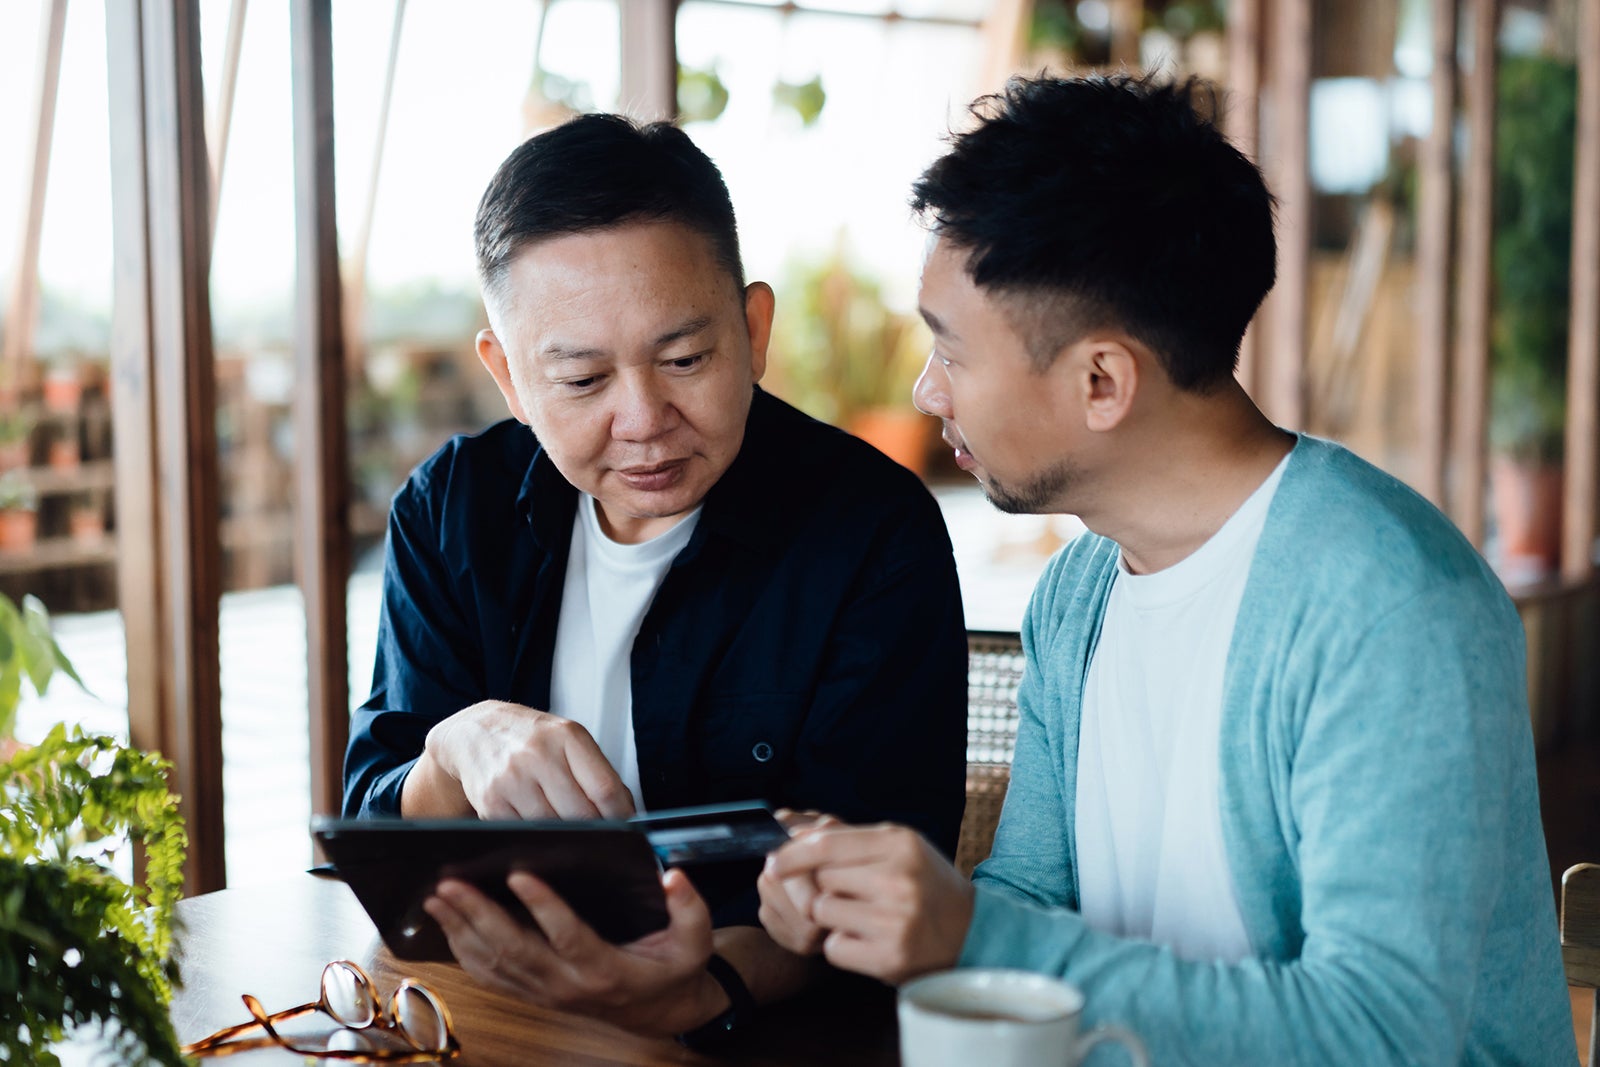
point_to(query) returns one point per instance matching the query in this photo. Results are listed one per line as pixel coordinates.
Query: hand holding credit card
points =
(607, 871)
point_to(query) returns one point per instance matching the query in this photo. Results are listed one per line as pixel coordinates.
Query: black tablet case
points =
(606, 872)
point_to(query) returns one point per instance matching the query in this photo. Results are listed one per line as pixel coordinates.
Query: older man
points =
(1273, 798)
(656, 585)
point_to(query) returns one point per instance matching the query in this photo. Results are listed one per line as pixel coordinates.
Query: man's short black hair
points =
(596, 172)
(1100, 202)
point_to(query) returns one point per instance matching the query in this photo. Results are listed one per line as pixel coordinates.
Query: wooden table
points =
(273, 941)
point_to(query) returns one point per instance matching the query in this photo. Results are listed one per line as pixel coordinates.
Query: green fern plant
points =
(78, 945)
(27, 650)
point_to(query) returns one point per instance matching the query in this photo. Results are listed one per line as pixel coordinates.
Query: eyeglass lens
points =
(347, 996)
(419, 1021)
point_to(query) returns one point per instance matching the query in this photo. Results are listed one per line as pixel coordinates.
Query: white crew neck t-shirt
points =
(1151, 859)
(608, 589)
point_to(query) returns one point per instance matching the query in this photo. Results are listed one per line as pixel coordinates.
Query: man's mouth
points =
(964, 458)
(653, 476)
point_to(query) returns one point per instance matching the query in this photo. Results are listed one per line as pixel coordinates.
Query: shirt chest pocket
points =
(747, 742)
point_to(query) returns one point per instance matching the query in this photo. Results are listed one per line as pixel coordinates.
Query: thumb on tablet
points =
(686, 910)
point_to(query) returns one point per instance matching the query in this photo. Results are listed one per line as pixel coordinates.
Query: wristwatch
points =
(741, 1006)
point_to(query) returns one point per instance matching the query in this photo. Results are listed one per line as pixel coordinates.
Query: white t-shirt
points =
(1151, 859)
(608, 589)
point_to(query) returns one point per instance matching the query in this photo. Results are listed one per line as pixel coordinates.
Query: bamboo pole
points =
(22, 308)
(355, 266)
(222, 120)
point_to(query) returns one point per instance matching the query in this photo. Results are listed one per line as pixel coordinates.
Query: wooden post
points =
(163, 375)
(1127, 17)
(1282, 365)
(322, 521)
(649, 60)
(1004, 42)
(1242, 120)
(22, 309)
(1583, 360)
(1469, 417)
(136, 456)
(1435, 220)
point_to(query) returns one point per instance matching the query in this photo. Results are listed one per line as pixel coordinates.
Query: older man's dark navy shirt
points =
(806, 647)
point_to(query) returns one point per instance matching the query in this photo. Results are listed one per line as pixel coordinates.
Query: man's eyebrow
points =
(559, 351)
(562, 352)
(938, 327)
(687, 329)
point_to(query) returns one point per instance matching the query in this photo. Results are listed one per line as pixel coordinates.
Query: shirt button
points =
(762, 752)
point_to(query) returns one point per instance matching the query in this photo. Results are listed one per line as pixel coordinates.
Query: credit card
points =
(719, 834)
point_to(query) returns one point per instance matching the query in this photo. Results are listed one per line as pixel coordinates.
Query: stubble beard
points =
(1037, 496)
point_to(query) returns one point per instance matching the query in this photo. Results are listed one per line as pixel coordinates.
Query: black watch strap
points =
(741, 1005)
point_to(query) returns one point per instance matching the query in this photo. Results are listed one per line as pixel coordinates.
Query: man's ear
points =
(493, 357)
(758, 307)
(1110, 380)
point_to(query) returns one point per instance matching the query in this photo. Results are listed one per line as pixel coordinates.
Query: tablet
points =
(607, 872)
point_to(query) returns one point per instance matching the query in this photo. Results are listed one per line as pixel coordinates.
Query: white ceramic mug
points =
(999, 1018)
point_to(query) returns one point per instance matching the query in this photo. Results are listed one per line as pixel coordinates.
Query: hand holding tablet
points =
(608, 872)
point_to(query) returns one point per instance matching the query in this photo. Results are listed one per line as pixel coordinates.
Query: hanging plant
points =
(805, 99)
(702, 97)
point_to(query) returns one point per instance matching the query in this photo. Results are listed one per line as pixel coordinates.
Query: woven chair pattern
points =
(994, 670)
(1580, 943)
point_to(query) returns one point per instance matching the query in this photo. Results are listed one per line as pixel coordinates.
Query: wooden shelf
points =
(94, 474)
(56, 552)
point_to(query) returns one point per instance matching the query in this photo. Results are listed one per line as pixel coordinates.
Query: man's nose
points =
(644, 411)
(931, 394)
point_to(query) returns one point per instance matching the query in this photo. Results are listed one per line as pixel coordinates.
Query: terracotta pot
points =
(1527, 512)
(19, 529)
(902, 434)
(63, 391)
(87, 526)
(64, 454)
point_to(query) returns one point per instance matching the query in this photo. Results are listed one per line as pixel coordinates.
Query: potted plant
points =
(63, 385)
(1532, 255)
(86, 522)
(16, 438)
(19, 513)
(64, 454)
(845, 357)
(78, 945)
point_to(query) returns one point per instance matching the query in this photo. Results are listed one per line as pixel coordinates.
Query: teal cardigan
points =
(1379, 805)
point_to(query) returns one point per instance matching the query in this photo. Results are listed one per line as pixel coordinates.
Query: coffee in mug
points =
(999, 1018)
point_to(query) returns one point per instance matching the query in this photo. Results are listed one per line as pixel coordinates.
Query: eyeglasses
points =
(415, 1014)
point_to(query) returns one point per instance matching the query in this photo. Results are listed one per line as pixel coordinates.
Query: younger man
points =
(1273, 797)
